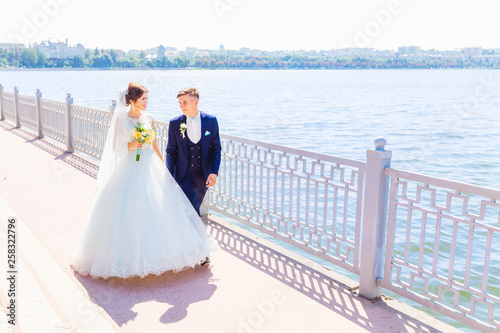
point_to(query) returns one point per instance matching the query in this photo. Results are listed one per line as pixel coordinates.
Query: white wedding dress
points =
(141, 222)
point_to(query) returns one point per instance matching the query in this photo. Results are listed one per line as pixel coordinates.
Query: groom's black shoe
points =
(207, 261)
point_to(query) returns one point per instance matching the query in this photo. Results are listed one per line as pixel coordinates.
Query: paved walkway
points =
(252, 285)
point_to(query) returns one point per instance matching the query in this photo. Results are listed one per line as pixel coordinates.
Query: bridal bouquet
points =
(143, 135)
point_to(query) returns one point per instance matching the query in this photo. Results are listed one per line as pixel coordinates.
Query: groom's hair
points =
(189, 91)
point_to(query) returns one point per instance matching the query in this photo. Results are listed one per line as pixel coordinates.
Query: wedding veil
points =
(116, 146)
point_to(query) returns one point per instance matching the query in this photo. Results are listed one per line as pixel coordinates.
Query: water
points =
(444, 123)
(436, 122)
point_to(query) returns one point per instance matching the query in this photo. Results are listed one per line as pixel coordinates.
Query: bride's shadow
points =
(118, 297)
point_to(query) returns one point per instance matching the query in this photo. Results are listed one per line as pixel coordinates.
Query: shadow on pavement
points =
(177, 291)
(319, 287)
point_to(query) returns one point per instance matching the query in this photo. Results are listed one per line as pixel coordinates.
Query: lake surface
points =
(444, 123)
(436, 122)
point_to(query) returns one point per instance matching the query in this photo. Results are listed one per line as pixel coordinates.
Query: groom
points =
(193, 148)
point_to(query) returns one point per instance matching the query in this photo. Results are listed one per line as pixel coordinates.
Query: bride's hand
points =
(134, 145)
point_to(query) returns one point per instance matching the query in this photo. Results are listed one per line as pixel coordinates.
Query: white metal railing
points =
(8, 106)
(53, 120)
(310, 200)
(27, 111)
(89, 129)
(434, 241)
(161, 129)
(443, 246)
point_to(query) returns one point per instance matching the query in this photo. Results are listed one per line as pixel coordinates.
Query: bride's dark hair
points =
(135, 91)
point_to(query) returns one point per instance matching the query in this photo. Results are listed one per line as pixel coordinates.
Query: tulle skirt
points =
(141, 223)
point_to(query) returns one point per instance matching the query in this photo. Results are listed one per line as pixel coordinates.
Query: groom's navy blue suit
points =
(191, 163)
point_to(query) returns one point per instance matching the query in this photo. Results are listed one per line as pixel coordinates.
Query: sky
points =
(257, 24)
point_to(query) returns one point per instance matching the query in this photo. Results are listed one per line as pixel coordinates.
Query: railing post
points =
(38, 103)
(374, 219)
(69, 135)
(16, 107)
(112, 108)
(1, 106)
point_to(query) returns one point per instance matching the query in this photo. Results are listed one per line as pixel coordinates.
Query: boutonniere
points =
(183, 130)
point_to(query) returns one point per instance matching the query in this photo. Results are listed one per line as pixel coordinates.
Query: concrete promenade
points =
(252, 285)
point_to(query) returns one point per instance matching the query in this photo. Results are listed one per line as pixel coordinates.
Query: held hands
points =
(134, 145)
(211, 180)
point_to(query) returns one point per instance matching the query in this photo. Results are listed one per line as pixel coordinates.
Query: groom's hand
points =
(211, 180)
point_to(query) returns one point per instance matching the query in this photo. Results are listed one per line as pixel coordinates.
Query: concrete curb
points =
(54, 300)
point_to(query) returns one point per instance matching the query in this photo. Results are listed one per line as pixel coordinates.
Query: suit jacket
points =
(177, 147)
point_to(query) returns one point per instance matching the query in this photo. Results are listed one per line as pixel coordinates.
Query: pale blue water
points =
(436, 122)
(444, 123)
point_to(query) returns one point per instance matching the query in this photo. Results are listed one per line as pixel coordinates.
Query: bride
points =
(140, 222)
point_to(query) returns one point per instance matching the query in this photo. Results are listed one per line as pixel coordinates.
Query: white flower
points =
(183, 129)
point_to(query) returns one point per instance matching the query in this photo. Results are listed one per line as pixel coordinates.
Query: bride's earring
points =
(133, 108)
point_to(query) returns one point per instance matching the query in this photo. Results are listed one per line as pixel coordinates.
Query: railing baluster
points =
(16, 107)
(268, 188)
(39, 113)
(2, 117)
(453, 247)
(408, 234)
(69, 134)
(486, 264)
(470, 242)
(423, 228)
(275, 190)
(315, 211)
(298, 187)
(436, 244)
(346, 214)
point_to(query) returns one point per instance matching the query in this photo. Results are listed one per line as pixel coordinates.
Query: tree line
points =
(29, 58)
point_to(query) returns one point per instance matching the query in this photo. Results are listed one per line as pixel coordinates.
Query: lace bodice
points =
(146, 120)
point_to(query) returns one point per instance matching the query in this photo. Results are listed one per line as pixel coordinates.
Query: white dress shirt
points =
(194, 128)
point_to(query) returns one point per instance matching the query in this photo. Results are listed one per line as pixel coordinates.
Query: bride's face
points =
(142, 102)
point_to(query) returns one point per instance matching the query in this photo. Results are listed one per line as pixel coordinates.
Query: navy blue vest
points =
(194, 158)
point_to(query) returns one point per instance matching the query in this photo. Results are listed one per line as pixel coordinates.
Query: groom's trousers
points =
(194, 186)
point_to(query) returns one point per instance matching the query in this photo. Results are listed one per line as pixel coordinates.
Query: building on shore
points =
(157, 52)
(351, 51)
(245, 51)
(57, 50)
(161, 52)
(17, 48)
(409, 50)
(473, 51)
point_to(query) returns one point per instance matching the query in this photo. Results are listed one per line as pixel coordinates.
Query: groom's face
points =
(188, 104)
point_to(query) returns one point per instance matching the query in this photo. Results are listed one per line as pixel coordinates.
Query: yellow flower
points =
(137, 135)
(149, 140)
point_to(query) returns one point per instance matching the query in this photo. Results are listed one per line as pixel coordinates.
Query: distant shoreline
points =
(88, 69)
(227, 69)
